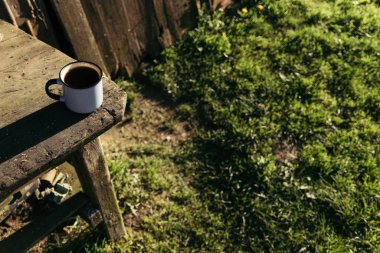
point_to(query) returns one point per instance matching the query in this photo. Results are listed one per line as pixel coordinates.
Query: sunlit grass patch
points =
(162, 211)
(287, 98)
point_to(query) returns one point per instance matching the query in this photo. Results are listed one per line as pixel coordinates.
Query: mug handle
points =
(49, 93)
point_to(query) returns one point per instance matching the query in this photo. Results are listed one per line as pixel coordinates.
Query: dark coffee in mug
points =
(82, 86)
(81, 77)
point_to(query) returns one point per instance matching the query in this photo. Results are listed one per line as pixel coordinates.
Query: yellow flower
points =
(244, 10)
(224, 34)
(260, 7)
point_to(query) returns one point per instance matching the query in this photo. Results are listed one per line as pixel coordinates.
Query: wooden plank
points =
(78, 30)
(32, 17)
(36, 132)
(215, 4)
(26, 237)
(157, 24)
(26, 64)
(131, 37)
(115, 27)
(180, 16)
(96, 182)
(7, 12)
(221, 4)
(10, 204)
(117, 34)
(41, 24)
(166, 37)
(19, 13)
(142, 27)
(101, 33)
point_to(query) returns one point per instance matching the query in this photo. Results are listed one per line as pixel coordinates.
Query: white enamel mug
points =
(82, 85)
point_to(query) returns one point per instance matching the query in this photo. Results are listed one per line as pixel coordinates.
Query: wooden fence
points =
(119, 35)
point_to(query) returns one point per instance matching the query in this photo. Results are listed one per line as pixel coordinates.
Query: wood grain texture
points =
(78, 30)
(6, 12)
(36, 132)
(30, 16)
(10, 204)
(96, 21)
(96, 182)
(23, 239)
(129, 32)
(118, 35)
(115, 28)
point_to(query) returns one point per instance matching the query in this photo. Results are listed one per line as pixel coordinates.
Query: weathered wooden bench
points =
(38, 133)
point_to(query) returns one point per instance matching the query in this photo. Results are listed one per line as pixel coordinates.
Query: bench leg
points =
(96, 183)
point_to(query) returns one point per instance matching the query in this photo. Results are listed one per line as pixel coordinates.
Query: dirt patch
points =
(151, 122)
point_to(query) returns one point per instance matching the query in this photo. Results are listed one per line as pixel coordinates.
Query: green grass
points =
(286, 157)
(288, 102)
(163, 213)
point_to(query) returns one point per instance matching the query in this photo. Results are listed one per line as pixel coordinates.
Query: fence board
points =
(117, 34)
(41, 23)
(96, 21)
(115, 27)
(6, 13)
(142, 28)
(11, 17)
(78, 31)
(31, 16)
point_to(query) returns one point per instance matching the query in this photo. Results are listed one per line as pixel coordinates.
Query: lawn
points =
(287, 97)
(283, 102)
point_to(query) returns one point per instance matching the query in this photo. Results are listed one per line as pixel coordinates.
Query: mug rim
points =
(74, 62)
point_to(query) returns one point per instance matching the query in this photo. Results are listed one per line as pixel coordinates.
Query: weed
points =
(300, 72)
(287, 154)
(169, 125)
(163, 213)
(184, 112)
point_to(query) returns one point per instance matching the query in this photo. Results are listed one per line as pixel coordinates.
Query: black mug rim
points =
(88, 62)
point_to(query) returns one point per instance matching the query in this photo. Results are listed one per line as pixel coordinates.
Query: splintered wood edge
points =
(26, 237)
(120, 101)
(16, 175)
(50, 153)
